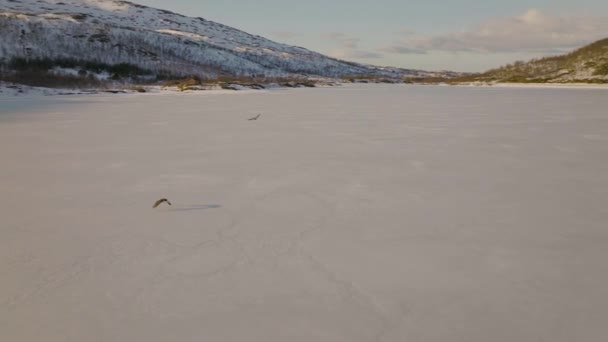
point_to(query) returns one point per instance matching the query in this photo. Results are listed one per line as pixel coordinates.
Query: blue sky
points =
(461, 35)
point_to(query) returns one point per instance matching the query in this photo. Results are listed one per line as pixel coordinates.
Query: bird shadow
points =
(195, 207)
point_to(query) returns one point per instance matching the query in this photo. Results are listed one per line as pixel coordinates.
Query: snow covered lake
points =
(356, 213)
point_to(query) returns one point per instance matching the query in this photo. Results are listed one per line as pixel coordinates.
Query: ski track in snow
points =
(356, 213)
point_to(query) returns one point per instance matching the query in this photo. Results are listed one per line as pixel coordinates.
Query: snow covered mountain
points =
(106, 32)
(588, 64)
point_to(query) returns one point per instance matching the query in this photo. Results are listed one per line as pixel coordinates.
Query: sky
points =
(458, 35)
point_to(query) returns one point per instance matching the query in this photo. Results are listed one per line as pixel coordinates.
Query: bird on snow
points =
(255, 117)
(161, 201)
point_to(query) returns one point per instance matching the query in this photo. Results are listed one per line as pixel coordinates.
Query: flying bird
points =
(255, 117)
(161, 201)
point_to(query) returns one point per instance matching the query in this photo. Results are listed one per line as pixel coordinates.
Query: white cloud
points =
(357, 54)
(406, 32)
(349, 47)
(285, 34)
(404, 49)
(533, 31)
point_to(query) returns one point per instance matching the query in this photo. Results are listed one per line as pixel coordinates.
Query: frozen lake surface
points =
(359, 213)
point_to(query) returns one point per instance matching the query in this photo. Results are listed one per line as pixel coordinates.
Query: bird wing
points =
(159, 202)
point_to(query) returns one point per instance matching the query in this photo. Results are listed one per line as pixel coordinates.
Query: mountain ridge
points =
(159, 42)
(588, 64)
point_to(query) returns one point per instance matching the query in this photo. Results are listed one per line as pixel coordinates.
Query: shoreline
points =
(22, 91)
(533, 85)
(552, 85)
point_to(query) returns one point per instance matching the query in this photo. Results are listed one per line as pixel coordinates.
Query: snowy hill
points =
(587, 64)
(102, 33)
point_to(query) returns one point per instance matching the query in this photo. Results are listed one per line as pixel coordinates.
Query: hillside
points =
(114, 39)
(588, 64)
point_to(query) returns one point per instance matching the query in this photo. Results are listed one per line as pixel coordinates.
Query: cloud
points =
(403, 49)
(533, 31)
(358, 54)
(405, 32)
(285, 34)
(349, 47)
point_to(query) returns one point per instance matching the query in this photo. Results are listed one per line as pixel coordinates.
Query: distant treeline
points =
(45, 64)
(39, 72)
